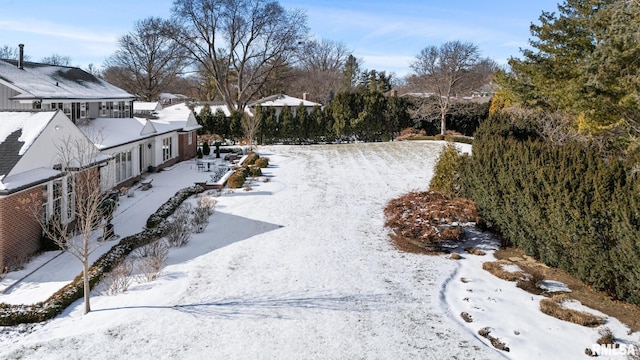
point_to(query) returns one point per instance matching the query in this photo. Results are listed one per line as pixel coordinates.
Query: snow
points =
(300, 267)
(46, 82)
(554, 286)
(27, 178)
(31, 124)
(112, 132)
(512, 268)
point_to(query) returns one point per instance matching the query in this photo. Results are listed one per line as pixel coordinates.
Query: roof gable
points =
(18, 131)
(9, 152)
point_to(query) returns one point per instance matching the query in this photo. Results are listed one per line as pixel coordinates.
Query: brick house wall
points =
(20, 231)
(187, 151)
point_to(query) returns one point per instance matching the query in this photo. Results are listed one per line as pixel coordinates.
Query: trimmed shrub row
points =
(567, 205)
(45, 310)
(251, 166)
(171, 205)
(250, 159)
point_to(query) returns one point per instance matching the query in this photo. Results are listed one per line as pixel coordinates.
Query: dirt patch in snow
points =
(627, 313)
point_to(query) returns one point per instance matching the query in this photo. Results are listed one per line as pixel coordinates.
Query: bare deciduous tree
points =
(146, 63)
(250, 126)
(11, 53)
(78, 219)
(320, 70)
(56, 59)
(238, 44)
(444, 71)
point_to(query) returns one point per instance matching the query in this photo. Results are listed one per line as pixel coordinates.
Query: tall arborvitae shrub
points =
(569, 206)
(446, 176)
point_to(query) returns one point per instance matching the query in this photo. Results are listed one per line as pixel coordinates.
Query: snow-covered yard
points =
(300, 267)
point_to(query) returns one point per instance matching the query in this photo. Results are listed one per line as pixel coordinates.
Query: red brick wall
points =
(186, 151)
(20, 231)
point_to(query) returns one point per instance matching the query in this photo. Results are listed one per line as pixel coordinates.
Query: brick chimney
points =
(21, 56)
(304, 96)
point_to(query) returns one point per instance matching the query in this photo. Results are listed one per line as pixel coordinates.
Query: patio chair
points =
(200, 165)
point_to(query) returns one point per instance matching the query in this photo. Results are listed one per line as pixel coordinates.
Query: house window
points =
(123, 107)
(57, 198)
(166, 149)
(71, 198)
(124, 166)
(66, 108)
(190, 138)
(83, 110)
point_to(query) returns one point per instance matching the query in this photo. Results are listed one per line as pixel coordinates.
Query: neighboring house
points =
(146, 108)
(172, 99)
(278, 102)
(31, 182)
(77, 93)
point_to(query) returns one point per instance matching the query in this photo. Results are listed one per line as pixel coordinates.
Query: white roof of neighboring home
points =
(283, 100)
(42, 82)
(146, 106)
(219, 107)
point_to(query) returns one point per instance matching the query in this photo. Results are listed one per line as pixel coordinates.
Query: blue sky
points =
(386, 35)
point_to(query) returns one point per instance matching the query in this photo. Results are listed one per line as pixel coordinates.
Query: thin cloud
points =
(39, 27)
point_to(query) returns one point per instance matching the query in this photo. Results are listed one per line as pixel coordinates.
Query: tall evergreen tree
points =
(585, 63)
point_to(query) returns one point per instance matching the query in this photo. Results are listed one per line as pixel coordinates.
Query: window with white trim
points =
(124, 166)
(167, 152)
(59, 200)
(57, 197)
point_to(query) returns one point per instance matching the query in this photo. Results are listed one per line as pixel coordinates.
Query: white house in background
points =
(278, 102)
(170, 99)
(77, 93)
(31, 179)
(146, 108)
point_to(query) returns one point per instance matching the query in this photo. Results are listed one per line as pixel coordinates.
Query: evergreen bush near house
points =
(236, 180)
(262, 162)
(206, 150)
(251, 158)
(199, 153)
(567, 205)
(254, 170)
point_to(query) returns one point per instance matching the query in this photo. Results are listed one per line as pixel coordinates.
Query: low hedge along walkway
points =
(156, 224)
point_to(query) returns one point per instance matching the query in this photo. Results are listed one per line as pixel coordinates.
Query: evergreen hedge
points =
(569, 206)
